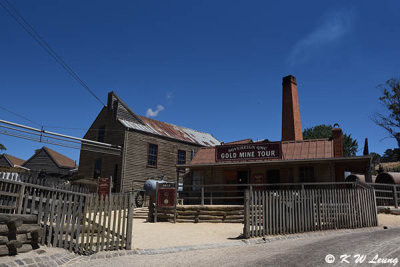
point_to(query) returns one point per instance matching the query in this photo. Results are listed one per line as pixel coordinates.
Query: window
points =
(100, 134)
(181, 157)
(152, 153)
(196, 180)
(306, 174)
(97, 168)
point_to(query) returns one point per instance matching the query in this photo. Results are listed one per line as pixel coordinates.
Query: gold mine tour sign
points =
(246, 152)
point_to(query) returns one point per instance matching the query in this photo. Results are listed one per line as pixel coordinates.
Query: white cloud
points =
(332, 27)
(154, 113)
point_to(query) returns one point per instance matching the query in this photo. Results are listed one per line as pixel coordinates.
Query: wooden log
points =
(23, 229)
(25, 248)
(4, 218)
(212, 212)
(3, 250)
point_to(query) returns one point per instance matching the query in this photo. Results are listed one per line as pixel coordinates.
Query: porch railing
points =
(234, 193)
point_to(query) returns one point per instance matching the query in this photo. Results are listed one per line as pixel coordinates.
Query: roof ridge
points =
(306, 140)
(126, 107)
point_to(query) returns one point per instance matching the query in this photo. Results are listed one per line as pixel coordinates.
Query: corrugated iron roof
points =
(291, 150)
(172, 131)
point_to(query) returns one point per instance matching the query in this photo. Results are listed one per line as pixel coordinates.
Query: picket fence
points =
(33, 179)
(276, 212)
(83, 223)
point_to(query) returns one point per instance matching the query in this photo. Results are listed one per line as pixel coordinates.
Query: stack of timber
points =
(202, 213)
(18, 234)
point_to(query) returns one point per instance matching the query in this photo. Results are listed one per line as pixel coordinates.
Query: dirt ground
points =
(389, 220)
(164, 234)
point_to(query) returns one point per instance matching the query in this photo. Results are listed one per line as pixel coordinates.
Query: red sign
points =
(246, 152)
(166, 197)
(103, 186)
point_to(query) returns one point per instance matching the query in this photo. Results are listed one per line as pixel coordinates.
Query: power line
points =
(40, 135)
(19, 115)
(40, 40)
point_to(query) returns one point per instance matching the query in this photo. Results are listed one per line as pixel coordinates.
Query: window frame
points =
(148, 156)
(177, 160)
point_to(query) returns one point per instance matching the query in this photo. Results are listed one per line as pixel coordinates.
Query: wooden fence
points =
(33, 179)
(83, 223)
(386, 194)
(275, 212)
(79, 222)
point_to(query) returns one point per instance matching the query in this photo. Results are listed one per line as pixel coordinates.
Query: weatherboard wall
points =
(136, 171)
(113, 134)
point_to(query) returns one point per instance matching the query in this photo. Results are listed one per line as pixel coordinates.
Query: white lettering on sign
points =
(228, 155)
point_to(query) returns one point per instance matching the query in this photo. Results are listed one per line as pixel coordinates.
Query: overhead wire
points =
(19, 115)
(42, 42)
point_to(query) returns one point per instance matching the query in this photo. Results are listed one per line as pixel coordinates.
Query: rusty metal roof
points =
(291, 150)
(172, 131)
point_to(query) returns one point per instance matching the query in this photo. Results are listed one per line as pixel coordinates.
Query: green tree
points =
(391, 101)
(376, 158)
(350, 145)
(391, 155)
(2, 147)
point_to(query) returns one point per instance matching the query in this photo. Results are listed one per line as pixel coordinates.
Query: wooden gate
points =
(83, 223)
(79, 222)
(295, 211)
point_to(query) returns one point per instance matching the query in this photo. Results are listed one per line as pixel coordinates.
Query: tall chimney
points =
(337, 137)
(291, 122)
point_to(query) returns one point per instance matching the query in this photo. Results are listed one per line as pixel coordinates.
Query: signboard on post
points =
(166, 195)
(103, 187)
(248, 152)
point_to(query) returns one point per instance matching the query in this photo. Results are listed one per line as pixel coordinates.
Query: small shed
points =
(50, 163)
(7, 160)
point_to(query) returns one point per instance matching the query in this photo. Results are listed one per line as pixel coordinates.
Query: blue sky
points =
(214, 66)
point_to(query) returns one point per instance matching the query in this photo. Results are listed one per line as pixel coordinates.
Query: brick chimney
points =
(291, 123)
(337, 137)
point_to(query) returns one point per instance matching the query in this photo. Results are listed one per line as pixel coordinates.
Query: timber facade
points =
(150, 148)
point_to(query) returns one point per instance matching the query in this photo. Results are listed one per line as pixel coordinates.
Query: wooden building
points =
(291, 160)
(9, 161)
(50, 163)
(150, 148)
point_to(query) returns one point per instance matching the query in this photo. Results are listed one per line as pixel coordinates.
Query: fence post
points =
(395, 198)
(246, 227)
(155, 204)
(202, 195)
(129, 222)
(20, 199)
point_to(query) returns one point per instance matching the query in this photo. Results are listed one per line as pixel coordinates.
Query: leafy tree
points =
(391, 101)
(2, 147)
(350, 145)
(391, 155)
(376, 158)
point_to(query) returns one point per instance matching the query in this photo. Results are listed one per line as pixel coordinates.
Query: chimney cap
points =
(289, 79)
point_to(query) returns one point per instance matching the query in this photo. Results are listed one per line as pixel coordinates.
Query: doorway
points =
(273, 176)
